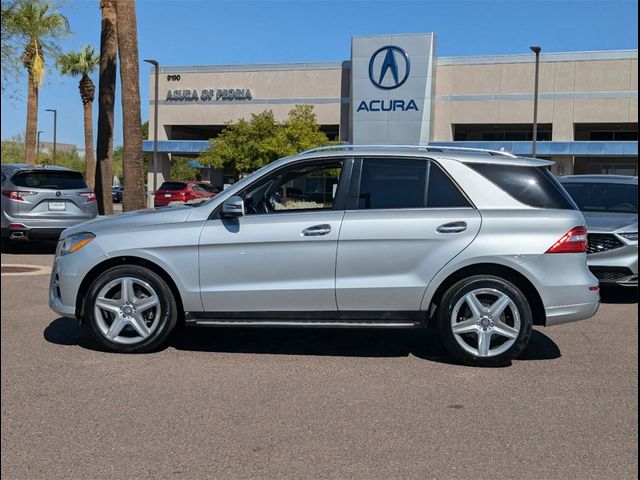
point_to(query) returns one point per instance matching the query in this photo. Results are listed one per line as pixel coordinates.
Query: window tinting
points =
(604, 197)
(534, 186)
(173, 186)
(55, 180)
(442, 191)
(392, 183)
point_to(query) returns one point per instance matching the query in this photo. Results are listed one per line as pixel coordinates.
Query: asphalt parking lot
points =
(257, 403)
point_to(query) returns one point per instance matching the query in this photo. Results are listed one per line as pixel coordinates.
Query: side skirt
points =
(307, 319)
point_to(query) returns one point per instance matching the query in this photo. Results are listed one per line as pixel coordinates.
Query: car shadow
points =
(617, 295)
(17, 247)
(423, 343)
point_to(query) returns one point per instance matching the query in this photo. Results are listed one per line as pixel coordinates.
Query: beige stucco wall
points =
(275, 90)
(459, 87)
(468, 92)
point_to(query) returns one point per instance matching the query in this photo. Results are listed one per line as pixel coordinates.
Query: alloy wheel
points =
(127, 310)
(485, 322)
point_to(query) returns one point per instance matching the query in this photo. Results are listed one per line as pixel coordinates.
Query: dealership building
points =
(396, 90)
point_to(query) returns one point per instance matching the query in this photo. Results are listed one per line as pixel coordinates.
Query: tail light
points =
(17, 195)
(574, 241)
(90, 196)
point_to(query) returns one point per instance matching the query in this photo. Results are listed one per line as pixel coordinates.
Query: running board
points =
(295, 323)
(305, 320)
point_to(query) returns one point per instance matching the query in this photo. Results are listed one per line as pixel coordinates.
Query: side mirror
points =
(233, 207)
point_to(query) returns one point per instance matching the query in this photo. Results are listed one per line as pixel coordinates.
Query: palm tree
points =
(36, 23)
(134, 197)
(83, 63)
(106, 101)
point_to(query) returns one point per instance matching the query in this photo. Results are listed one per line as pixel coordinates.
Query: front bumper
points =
(616, 267)
(67, 274)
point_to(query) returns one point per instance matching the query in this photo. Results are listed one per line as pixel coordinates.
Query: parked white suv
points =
(484, 243)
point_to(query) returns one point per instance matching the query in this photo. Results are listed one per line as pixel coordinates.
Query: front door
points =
(281, 255)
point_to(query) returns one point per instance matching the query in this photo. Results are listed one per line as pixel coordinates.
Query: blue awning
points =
(176, 146)
(545, 149)
(555, 149)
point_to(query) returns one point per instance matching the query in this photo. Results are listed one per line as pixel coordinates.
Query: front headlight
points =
(631, 236)
(75, 242)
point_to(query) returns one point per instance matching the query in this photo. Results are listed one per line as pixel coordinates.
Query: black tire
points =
(168, 315)
(453, 295)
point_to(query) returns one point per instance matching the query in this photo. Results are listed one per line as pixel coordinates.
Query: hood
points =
(137, 218)
(598, 222)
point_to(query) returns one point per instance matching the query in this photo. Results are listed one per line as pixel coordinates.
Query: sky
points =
(213, 32)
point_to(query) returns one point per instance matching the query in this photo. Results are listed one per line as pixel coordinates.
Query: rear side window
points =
(533, 186)
(173, 186)
(54, 180)
(392, 183)
(442, 192)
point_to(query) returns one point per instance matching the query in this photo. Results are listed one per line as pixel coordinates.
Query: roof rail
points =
(425, 148)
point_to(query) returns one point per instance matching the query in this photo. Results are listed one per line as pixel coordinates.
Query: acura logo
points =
(389, 67)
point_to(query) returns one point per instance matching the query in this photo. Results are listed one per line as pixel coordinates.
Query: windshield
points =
(604, 197)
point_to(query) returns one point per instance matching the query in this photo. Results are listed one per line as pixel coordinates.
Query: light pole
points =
(38, 144)
(156, 67)
(55, 126)
(536, 50)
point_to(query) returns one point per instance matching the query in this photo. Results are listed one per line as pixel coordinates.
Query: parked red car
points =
(183, 192)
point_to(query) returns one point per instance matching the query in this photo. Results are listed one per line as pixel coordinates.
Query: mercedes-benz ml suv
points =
(483, 244)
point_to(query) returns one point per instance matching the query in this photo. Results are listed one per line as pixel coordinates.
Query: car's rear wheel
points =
(485, 321)
(130, 309)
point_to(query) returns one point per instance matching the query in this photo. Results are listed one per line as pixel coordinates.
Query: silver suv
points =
(610, 207)
(39, 202)
(483, 244)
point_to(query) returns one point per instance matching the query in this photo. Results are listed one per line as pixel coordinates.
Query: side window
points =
(301, 188)
(392, 183)
(442, 192)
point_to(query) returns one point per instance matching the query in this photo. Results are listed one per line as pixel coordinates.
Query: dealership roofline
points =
(441, 61)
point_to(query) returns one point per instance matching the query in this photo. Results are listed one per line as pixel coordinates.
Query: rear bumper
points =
(40, 228)
(570, 313)
(568, 290)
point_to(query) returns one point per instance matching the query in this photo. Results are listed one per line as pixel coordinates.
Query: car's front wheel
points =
(130, 309)
(485, 321)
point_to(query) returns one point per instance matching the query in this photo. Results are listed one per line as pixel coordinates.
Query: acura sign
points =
(391, 81)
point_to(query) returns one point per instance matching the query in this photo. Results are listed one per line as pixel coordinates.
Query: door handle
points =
(453, 227)
(316, 230)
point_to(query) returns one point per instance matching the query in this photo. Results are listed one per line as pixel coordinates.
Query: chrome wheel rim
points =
(127, 310)
(485, 322)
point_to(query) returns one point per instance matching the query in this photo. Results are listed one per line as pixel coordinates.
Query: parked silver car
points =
(610, 206)
(485, 244)
(39, 202)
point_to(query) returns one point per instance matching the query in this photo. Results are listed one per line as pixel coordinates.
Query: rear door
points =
(406, 220)
(61, 194)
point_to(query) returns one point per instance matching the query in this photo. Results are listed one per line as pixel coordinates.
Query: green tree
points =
(180, 169)
(248, 145)
(300, 132)
(13, 149)
(35, 25)
(81, 64)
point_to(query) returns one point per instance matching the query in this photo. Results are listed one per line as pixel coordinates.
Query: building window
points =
(500, 132)
(606, 132)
